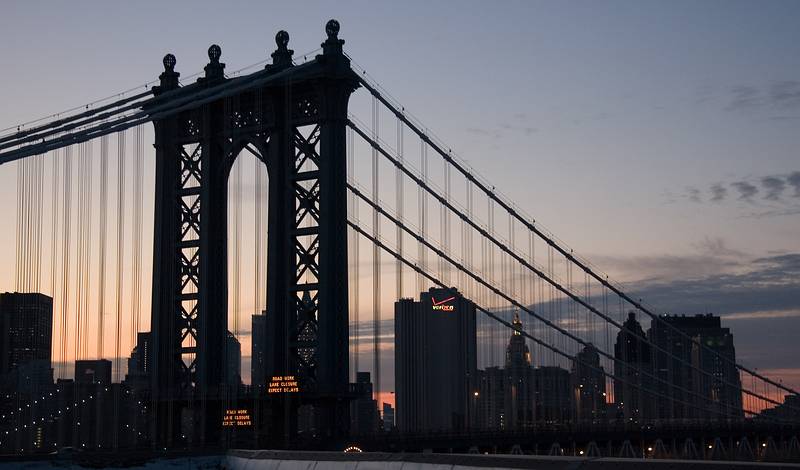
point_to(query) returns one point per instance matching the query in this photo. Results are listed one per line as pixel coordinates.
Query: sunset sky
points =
(661, 140)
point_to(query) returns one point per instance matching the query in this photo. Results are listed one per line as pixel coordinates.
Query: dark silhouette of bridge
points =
(295, 119)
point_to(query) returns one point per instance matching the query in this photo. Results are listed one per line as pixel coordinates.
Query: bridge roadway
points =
(539, 439)
(295, 460)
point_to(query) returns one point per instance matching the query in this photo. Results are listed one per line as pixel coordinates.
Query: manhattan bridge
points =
(343, 204)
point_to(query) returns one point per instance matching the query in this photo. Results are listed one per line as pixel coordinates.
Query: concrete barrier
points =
(281, 460)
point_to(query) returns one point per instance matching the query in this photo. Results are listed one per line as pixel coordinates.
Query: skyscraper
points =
(506, 398)
(692, 355)
(258, 349)
(632, 371)
(388, 417)
(553, 394)
(589, 385)
(233, 362)
(140, 363)
(435, 361)
(364, 409)
(26, 332)
(519, 380)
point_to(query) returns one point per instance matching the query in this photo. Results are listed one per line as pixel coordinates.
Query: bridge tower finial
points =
(215, 69)
(333, 45)
(282, 57)
(169, 77)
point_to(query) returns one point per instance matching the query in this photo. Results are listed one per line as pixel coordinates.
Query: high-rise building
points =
(26, 331)
(93, 371)
(140, 363)
(363, 409)
(258, 349)
(435, 362)
(696, 356)
(633, 366)
(491, 398)
(589, 385)
(553, 394)
(233, 362)
(388, 417)
(519, 380)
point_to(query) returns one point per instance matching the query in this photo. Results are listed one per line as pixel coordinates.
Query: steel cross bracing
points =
(304, 177)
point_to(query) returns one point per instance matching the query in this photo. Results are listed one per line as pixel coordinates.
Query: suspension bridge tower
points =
(293, 118)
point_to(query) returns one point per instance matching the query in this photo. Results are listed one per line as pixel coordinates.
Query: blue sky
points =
(659, 139)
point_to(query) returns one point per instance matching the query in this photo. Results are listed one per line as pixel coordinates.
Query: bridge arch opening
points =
(248, 185)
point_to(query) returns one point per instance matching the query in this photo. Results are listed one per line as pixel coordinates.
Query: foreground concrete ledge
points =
(285, 460)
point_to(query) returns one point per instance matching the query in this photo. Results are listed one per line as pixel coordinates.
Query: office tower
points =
(589, 385)
(258, 349)
(233, 361)
(140, 363)
(519, 381)
(388, 417)
(364, 409)
(93, 371)
(435, 362)
(553, 394)
(26, 330)
(697, 356)
(633, 385)
(490, 400)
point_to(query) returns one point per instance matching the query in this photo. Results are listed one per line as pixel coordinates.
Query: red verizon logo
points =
(442, 304)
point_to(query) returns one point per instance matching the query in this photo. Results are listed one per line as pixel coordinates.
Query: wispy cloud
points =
(774, 195)
(778, 95)
(794, 181)
(718, 192)
(744, 97)
(746, 190)
(785, 94)
(693, 194)
(774, 187)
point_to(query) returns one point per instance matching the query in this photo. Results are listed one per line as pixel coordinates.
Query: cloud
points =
(768, 284)
(779, 95)
(774, 187)
(495, 134)
(745, 189)
(763, 315)
(717, 247)
(718, 192)
(780, 191)
(785, 94)
(744, 97)
(711, 256)
(794, 181)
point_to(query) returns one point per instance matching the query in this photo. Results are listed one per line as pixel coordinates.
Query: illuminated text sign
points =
(442, 305)
(237, 417)
(283, 384)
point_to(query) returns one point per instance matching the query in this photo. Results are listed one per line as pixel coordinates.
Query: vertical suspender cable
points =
(355, 256)
(136, 293)
(65, 250)
(54, 192)
(20, 199)
(120, 270)
(376, 253)
(399, 192)
(120, 246)
(101, 262)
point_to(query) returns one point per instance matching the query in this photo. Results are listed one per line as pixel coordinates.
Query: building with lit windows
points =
(26, 333)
